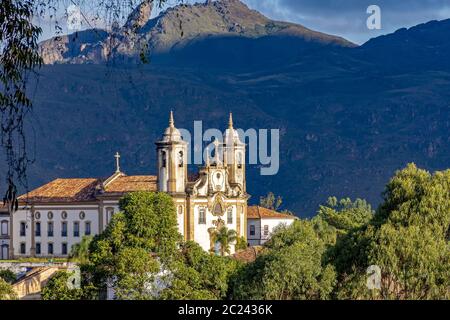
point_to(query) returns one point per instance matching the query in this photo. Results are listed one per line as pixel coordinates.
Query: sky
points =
(346, 18)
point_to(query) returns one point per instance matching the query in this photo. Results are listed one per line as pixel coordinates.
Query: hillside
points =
(349, 116)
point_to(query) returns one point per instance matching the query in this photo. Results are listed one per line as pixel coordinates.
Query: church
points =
(55, 216)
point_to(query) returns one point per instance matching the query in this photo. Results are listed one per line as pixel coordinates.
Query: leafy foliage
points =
(6, 291)
(80, 250)
(224, 237)
(57, 288)
(8, 275)
(125, 253)
(270, 201)
(291, 268)
(197, 274)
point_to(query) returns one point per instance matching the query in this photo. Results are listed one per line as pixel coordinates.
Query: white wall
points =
(73, 215)
(260, 238)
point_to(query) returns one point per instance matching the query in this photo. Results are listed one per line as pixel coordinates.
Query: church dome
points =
(231, 134)
(171, 133)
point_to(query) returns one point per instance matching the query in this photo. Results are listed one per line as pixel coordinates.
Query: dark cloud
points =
(348, 17)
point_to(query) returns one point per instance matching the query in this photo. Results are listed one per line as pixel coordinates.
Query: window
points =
(50, 248)
(64, 229)
(202, 216)
(87, 228)
(230, 215)
(239, 160)
(22, 248)
(5, 228)
(37, 230)
(23, 227)
(180, 159)
(76, 229)
(266, 230)
(38, 248)
(64, 248)
(252, 230)
(109, 214)
(163, 159)
(180, 209)
(50, 229)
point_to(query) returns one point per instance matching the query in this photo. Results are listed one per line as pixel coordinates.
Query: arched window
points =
(163, 159)
(180, 209)
(202, 215)
(230, 215)
(5, 228)
(180, 159)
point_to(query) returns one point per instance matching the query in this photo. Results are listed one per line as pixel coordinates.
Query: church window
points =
(163, 159)
(64, 248)
(23, 227)
(64, 229)
(50, 229)
(180, 209)
(252, 230)
(50, 215)
(50, 248)
(266, 230)
(37, 229)
(230, 215)
(87, 228)
(5, 228)
(202, 216)
(76, 229)
(22, 248)
(180, 159)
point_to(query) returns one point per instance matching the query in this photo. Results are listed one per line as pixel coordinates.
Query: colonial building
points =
(58, 214)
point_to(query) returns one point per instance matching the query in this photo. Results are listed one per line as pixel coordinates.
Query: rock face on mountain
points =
(174, 29)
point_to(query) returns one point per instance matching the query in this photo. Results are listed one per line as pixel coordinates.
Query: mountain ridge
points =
(174, 29)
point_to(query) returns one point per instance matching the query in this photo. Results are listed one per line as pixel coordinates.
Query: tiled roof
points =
(124, 184)
(63, 190)
(86, 189)
(257, 212)
(247, 255)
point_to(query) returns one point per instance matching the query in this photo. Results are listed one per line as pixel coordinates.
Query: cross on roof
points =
(117, 156)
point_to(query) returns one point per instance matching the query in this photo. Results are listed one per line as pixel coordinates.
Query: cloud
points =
(347, 18)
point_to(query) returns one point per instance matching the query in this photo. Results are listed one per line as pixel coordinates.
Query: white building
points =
(58, 214)
(261, 223)
(4, 233)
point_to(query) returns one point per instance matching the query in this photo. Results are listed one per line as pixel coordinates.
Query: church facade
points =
(58, 214)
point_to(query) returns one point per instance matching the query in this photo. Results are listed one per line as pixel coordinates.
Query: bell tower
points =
(234, 155)
(171, 151)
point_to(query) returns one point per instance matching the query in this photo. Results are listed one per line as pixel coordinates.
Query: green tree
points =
(224, 237)
(407, 239)
(57, 288)
(6, 291)
(137, 242)
(196, 274)
(241, 244)
(290, 268)
(80, 251)
(270, 201)
(8, 275)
